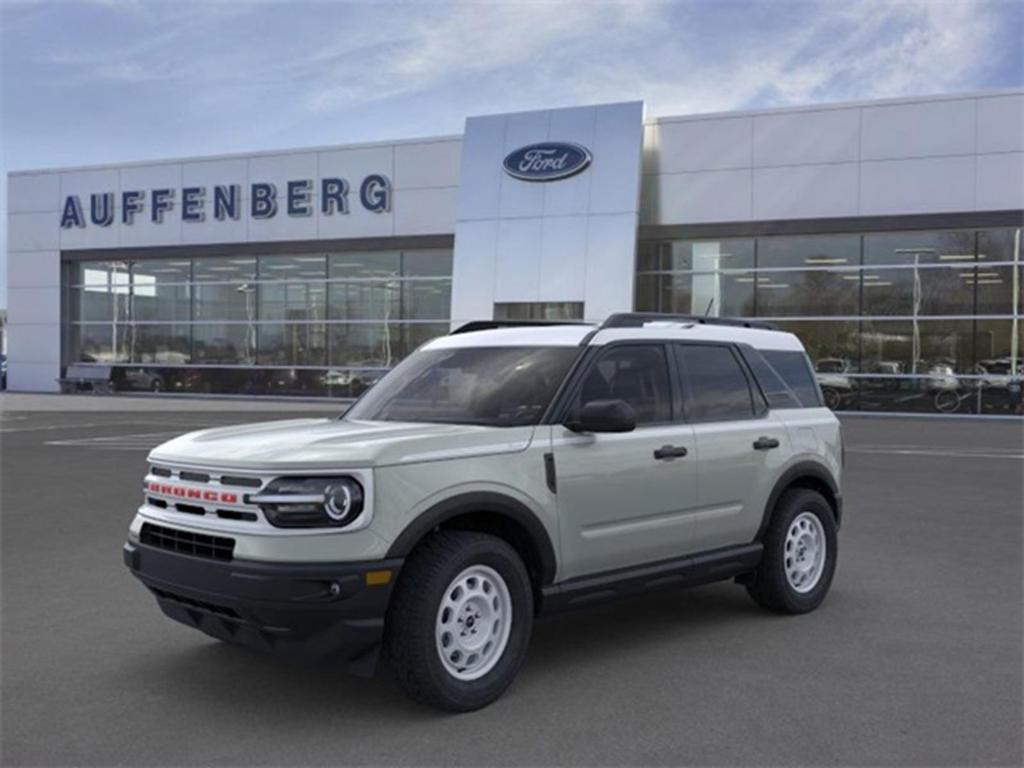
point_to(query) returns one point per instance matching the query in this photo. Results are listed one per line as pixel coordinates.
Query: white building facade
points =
(886, 234)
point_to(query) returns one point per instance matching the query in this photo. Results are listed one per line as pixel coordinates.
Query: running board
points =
(690, 571)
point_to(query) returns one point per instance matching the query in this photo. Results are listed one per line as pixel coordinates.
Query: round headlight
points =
(338, 501)
(303, 502)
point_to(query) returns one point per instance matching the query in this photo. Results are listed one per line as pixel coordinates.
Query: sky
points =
(99, 81)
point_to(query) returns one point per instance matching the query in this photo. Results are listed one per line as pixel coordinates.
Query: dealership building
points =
(885, 234)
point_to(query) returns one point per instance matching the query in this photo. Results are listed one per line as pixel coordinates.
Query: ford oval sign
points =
(547, 162)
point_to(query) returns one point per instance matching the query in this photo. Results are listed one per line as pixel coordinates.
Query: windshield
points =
(491, 386)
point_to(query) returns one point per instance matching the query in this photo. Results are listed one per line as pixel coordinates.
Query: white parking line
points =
(991, 454)
(185, 425)
(130, 442)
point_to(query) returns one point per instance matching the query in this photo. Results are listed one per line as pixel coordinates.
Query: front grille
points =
(245, 482)
(187, 543)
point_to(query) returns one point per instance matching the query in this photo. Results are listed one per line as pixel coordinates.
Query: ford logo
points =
(547, 162)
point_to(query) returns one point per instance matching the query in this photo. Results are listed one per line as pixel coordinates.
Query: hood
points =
(330, 444)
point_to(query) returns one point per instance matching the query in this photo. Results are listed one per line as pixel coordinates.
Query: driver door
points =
(618, 503)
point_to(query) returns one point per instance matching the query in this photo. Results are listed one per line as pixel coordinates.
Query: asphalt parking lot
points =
(914, 659)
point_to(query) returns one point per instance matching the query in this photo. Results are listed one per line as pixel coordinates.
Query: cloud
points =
(775, 54)
(461, 41)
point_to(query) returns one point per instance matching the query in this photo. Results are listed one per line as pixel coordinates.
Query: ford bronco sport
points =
(496, 474)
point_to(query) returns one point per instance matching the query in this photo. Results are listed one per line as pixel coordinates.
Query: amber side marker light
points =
(378, 578)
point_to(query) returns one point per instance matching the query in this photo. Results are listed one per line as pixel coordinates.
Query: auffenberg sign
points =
(225, 202)
(547, 161)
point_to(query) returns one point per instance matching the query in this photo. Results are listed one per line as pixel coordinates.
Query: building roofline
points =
(446, 138)
(443, 139)
(826, 106)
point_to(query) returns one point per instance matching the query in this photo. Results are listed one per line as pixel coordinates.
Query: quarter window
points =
(795, 370)
(716, 386)
(637, 375)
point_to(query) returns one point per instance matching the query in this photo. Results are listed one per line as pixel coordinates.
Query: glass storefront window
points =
(264, 312)
(234, 344)
(919, 248)
(365, 345)
(97, 304)
(366, 300)
(539, 310)
(699, 255)
(165, 343)
(832, 345)
(102, 275)
(706, 293)
(415, 334)
(220, 269)
(924, 321)
(807, 251)
(918, 291)
(219, 301)
(98, 343)
(292, 301)
(291, 344)
(426, 299)
(937, 348)
(365, 265)
(811, 293)
(152, 271)
(298, 267)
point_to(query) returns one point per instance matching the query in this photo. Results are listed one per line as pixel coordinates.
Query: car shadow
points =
(218, 674)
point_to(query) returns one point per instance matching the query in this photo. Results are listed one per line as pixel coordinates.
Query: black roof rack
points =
(490, 325)
(639, 319)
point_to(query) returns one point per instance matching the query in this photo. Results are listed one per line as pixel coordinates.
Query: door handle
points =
(765, 443)
(669, 452)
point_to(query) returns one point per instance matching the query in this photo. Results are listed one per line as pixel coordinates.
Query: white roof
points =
(519, 336)
(759, 338)
(572, 335)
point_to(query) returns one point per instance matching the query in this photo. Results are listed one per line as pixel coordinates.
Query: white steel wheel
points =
(473, 623)
(805, 552)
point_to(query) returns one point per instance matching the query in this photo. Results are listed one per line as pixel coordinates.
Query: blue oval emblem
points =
(547, 162)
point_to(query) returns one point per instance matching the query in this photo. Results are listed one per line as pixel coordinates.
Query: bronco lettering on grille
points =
(197, 494)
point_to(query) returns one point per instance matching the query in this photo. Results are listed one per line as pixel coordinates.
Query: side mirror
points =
(603, 416)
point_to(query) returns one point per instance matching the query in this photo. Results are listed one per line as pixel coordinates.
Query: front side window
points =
(489, 386)
(637, 375)
(717, 388)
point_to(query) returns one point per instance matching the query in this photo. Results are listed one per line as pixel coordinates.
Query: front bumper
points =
(305, 611)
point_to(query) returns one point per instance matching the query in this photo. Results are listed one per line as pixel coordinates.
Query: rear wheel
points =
(800, 549)
(460, 621)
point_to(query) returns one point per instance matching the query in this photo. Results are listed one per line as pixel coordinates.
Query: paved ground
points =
(915, 658)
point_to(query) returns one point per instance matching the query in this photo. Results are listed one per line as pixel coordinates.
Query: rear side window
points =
(795, 370)
(714, 385)
(776, 391)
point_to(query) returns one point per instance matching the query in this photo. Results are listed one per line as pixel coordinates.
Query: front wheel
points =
(460, 621)
(800, 549)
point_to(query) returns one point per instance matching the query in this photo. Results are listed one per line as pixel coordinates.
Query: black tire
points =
(409, 643)
(947, 401)
(769, 586)
(832, 398)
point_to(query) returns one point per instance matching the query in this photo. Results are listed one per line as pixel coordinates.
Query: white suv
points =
(496, 474)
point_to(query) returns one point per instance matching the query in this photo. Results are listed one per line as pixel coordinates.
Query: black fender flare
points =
(481, 502)
(813, 470)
